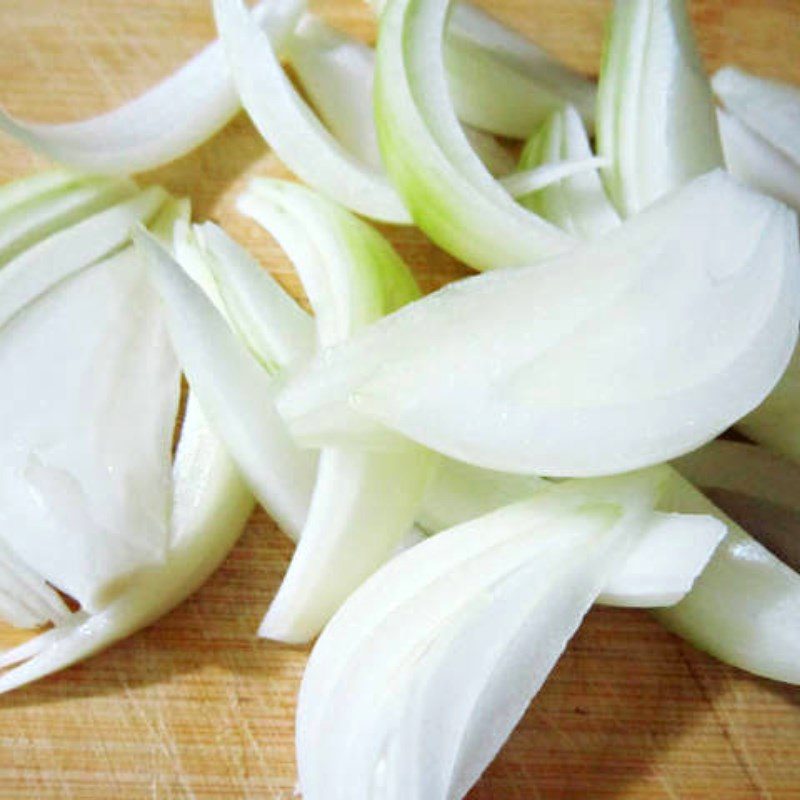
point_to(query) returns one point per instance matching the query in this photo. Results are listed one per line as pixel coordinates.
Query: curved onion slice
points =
(744, 607)
(448, 190)
(264, 316)
(84, 474)
(423, 673)
(685, 319)
(363, 502)
(337, 73)
(235, 391)
(770, 108)
(27, 223)
(69, 251)
(164, 123)
(655, 113)
(579, 203)
(291, 128)
(502, 82)
(211, 505)
(32, 188)
(755, 161)
(539, 177)
(659, 571)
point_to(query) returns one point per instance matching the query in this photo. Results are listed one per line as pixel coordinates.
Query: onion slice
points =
(578, 203)
(744, 607)
(755, 161)
(71, 250)
(769, 108)
(235, 391)
(164, 123)
(84, 473)
(448, 190)
(337, 73)
(502, 82)
(659, 571)
(420, 677)
(211, 505)
(655, 112)
(291, 128)
(552, 381)
(363, 502)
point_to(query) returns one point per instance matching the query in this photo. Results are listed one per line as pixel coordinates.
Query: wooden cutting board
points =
(195, 706)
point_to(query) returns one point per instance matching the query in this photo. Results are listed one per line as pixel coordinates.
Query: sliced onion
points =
(264, 316)
(34, 222)
(448, 190)
(166, 122)
(769, 108)
(291, 128)
(337, 73)
(544, 175)
(235, 391)
(686, 318)
(659, 571)
(211, 506)
(502, 82)
(755, 161)
(90, 401)
(579, 203)
(417, 681)
(364, 502)
(69, 251)
(744, 607)
(655, 113)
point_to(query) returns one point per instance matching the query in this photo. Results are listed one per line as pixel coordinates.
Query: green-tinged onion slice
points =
(448, 190)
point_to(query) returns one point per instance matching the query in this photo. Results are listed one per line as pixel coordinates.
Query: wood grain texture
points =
(195, 706)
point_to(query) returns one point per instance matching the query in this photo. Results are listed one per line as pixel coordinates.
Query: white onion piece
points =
(363, 502)
(579, 203)
(235, 391)
(164, 123)
(91, 393)
(659, 571)
(211, 505)
(29, 222)
(459, 492)
(260, 311)
(744, 607)
(755, 161)
(448, 190)
(69, 251)
(291, 128)
(539, 177)
(32, 188)
(337, 73)
(655, 113)
(686, 318)
(502, 82)
(419, 678)
(666, 561)
(770, 108)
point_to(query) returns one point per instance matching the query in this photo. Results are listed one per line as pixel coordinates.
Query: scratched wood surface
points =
(195, 706)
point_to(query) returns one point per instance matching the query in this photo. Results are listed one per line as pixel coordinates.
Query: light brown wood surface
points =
(195, 706)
